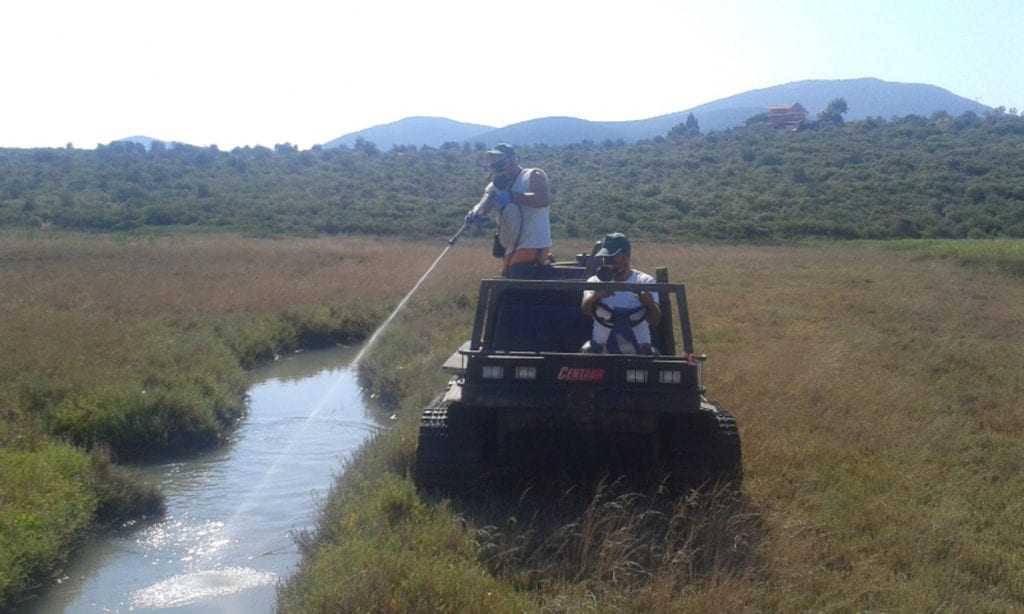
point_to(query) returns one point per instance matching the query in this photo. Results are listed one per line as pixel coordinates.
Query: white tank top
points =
(522, 227)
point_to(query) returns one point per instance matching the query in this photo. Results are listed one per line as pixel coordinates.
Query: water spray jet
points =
(376, 333)
(324, 401)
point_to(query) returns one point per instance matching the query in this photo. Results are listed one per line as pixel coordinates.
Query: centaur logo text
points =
(574, 374)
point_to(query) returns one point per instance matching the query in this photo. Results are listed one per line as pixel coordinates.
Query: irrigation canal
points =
(227, 537)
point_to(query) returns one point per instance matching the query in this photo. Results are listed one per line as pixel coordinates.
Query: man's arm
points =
(590, 299)
(653, 309)
(538, 195)
(484, 206)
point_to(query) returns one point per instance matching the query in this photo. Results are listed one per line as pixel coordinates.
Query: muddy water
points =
(226, 539)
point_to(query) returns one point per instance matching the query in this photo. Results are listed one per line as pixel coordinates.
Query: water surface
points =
(227, 537)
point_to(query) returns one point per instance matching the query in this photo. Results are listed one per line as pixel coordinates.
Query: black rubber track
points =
(449, 454)
(706, 449)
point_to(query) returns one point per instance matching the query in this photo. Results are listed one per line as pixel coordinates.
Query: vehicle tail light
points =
(526, 373)
(670, 377)
(636, 376)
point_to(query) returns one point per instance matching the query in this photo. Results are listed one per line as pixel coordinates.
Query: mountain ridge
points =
(139, 139)
(417, 130)
(866, 97)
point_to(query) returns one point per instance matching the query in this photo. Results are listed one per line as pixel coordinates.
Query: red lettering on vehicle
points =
(580, 374)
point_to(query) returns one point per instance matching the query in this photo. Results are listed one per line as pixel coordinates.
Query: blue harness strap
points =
(621, 325)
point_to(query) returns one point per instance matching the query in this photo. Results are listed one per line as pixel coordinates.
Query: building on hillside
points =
(789, 117)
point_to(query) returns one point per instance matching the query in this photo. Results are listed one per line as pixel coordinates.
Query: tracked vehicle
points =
(526, 402)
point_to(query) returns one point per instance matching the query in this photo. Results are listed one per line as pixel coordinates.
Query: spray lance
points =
(498, 159)
(451, 242)
(469, 221)
(455, 237)
(476, 216)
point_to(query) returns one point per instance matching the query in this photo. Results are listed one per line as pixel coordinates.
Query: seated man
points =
(622, 320)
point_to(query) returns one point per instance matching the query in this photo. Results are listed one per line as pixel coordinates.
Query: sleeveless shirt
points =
(522, 227)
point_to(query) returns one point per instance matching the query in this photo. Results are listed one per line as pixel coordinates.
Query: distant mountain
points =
(564, 130)
(145, 141)
(867, 97)
(432, 131)
(551, 131)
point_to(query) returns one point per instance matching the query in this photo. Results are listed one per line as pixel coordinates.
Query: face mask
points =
(608, 269)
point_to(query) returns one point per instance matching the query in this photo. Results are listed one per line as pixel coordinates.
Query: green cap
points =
(613, 244)
(502, 150)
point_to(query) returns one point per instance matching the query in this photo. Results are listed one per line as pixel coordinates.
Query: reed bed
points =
(878, 396)
(877, 389)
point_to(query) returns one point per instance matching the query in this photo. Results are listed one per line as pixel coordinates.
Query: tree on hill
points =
(684, 130)
(691, 124)
(833, 113)
(367, 147)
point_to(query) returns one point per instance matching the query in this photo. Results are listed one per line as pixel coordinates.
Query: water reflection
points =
(227, 536)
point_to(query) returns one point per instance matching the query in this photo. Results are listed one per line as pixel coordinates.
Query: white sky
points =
(236, 73)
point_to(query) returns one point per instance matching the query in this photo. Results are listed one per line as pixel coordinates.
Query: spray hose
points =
(455, 237)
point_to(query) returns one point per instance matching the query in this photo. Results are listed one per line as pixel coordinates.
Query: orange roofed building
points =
(789, 117)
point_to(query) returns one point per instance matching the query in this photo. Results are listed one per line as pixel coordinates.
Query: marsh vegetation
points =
(878, 394)
(877, 387)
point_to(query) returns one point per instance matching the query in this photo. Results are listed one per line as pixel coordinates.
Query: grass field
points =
(998, 254)
(878, 393)
(135, 347)
(877, 387)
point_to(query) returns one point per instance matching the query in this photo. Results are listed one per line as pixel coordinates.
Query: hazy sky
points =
(235, 73)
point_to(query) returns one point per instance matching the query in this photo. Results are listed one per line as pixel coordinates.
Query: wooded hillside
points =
(912, 177)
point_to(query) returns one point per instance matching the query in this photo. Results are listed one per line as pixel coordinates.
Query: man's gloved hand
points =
(475, 217)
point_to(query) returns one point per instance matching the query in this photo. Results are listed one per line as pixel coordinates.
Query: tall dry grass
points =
(82, 309)
(139, 277)
(878, 397)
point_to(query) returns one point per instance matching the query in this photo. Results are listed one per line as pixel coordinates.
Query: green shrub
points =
(121, 494)
(45, 503)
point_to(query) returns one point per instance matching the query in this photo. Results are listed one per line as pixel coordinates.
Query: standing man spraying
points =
(522, 199)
